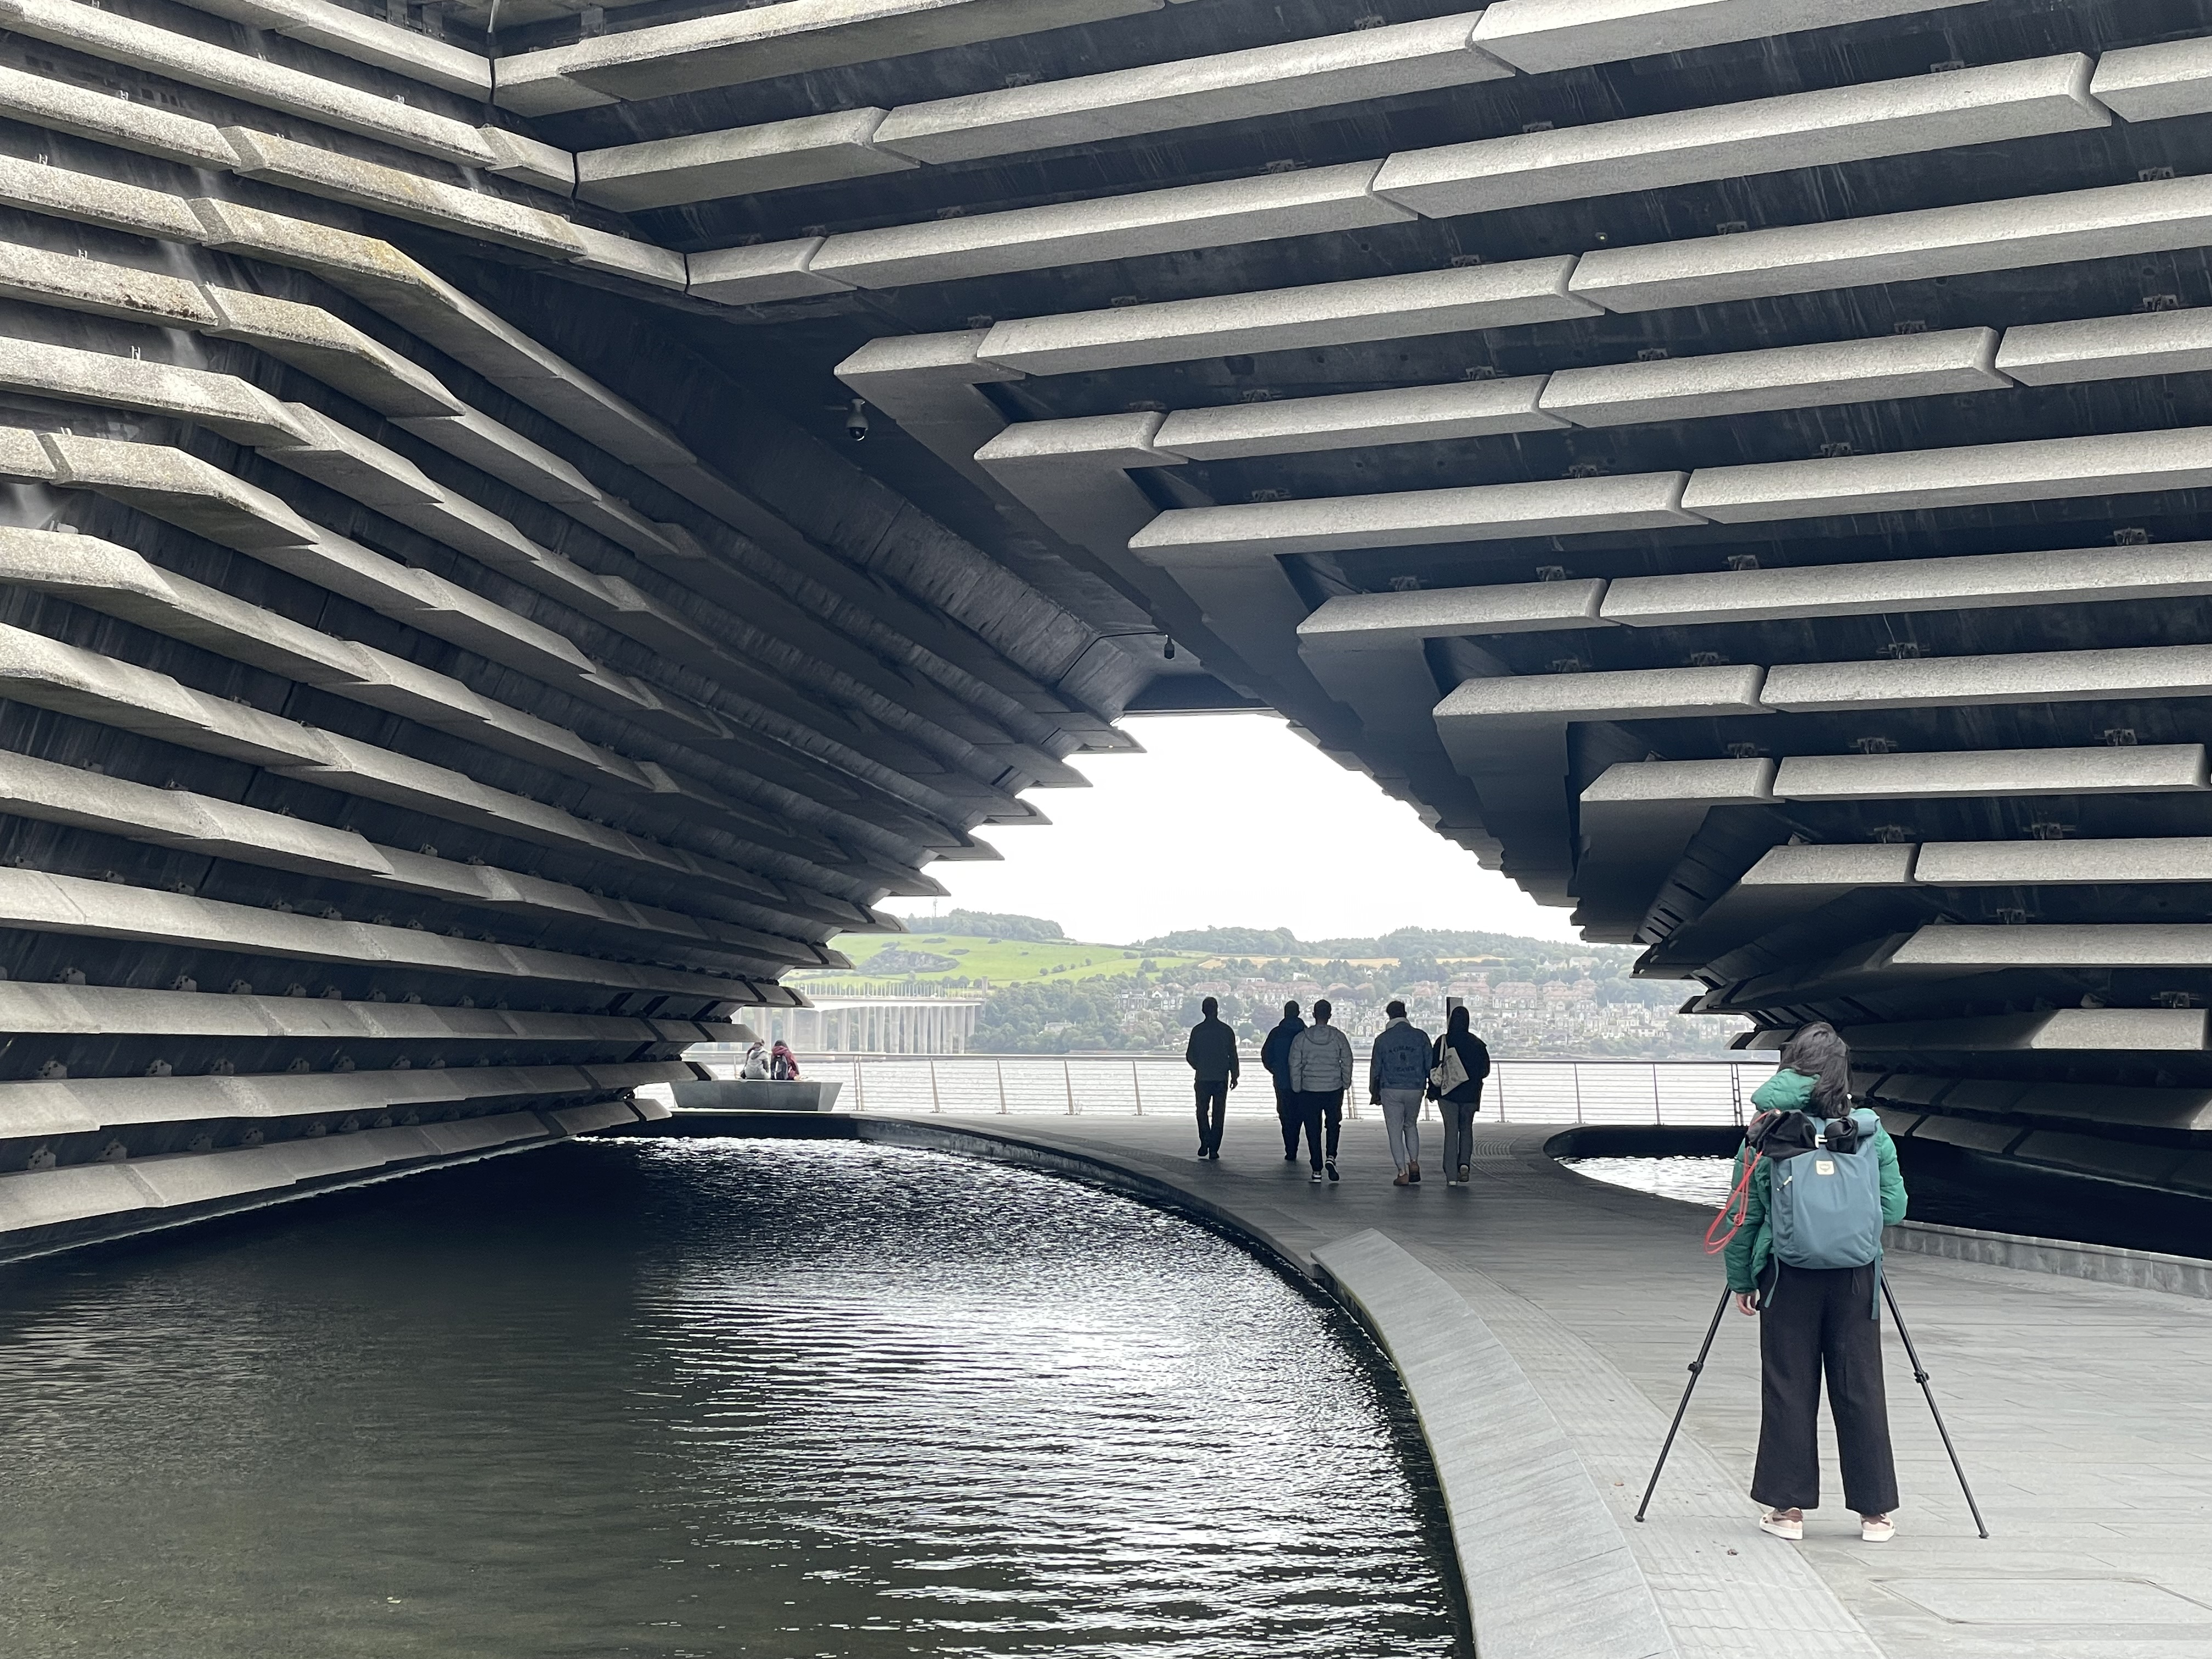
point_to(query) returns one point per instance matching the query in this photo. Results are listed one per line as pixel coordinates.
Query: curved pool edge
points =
(2064, 1258)
(1544, 1567)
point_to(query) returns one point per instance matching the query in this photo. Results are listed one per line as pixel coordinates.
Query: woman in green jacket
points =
(1813, 1318)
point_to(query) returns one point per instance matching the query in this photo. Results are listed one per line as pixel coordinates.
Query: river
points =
(704, 1398)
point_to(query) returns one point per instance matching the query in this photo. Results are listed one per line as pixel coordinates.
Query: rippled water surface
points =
(702, 1398)
(1697, 1180)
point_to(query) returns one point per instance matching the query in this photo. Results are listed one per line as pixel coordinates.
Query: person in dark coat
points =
(1463, 1099)
(1211, 1052)
(1275, 1058)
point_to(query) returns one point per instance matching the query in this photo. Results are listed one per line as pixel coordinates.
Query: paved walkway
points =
(2083, 1411)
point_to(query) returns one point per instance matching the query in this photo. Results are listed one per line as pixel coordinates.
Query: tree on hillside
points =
(1227, 941)
(988, 924)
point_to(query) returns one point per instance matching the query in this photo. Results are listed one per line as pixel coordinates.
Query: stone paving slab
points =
(2083, 1410)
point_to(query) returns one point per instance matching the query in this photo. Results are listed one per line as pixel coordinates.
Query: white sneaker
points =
(1784, 1523)
(1316, 1178)
(1877, 1528)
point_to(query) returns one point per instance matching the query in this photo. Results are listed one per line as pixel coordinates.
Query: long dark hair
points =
(1816, 1051)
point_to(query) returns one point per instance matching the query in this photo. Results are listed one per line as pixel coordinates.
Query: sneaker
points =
(1203, 1155)
(1290, 1157)
(1332, 1168)
(1413, 1175)
(1215, 1154)
(1464, 1175)
(1877, 1528)
(1784, 1523)
(1316, 1178)
(1401, 1180)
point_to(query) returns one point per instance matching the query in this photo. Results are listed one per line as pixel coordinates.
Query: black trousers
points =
(1213, 1110)
(1316, 1109)
(1288, 1114)
(1816, 1319)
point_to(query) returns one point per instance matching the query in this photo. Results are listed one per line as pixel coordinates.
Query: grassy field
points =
(1010, 960)
(1000, 961)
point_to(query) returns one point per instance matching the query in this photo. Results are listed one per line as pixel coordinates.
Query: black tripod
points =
(1919, 1376)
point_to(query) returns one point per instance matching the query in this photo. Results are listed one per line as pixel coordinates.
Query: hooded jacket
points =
(1320, 1060)
(1400, 1058)
(1275, 1052)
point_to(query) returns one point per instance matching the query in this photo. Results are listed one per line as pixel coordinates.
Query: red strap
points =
(1739, 1200)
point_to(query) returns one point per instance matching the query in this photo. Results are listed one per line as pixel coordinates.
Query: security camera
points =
(856, 422)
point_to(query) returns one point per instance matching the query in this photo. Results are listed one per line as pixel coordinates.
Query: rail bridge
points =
(1733, 464)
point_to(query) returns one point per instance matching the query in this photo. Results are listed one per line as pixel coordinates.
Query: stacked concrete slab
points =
(1730, 464)
(433, 693)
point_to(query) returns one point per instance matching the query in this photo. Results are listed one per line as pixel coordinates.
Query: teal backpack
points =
(1824, 1203)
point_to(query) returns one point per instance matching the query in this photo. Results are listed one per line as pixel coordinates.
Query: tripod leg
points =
(1695, 1366)
(1920, 1376)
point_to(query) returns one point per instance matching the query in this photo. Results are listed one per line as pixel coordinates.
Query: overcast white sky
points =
(1230, 820)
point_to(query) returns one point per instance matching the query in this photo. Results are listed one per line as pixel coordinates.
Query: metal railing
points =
(1592, 1091)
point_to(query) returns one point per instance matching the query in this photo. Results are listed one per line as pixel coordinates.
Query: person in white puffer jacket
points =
(1320, 1070)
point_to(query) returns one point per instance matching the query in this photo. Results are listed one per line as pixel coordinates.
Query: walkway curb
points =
(1547, 1569)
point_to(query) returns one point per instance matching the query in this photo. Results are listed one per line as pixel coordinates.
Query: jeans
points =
(1213, 1094)
(1459, 1128)
(1814, 1319)
(1401, 1123)
(1316, 1108)
(1287, 1114)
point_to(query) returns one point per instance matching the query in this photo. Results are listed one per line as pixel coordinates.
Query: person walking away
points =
(1397, 1072)
(1211, 1052)
(1457, 1065)
(1275, 1057)
(1321, 1071)
(1823, 1182)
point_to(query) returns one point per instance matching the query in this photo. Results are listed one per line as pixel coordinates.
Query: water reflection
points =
(1694, 1180)
(703, 1398)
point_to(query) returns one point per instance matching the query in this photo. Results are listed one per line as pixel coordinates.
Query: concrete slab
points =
(84, 1192)
(2038, 470)
(1536, 35)
(100, 288)
(2149, 217)
(583, 1120)
(1283, 319)
(1967, 582)
(1988, 104)
(1961, 360)
(332, 349)
(364, 38)
(210, 1177)
(2151, 670)
(627, 256)
(1612, 694)
(1374, 621)
(148, 128)
(527, 159)
(2092, 859)
(761, 273)
(704, 167)
(405, 195)
(1357, 420)
(2000, 774)
(1263, 81)
(2108, 348)
(1309, 201)
(473, 1135)
(789, 37)
(251, 80)
(2065, 1030)
(220, 402)
(2157, 82)
(1413, 517)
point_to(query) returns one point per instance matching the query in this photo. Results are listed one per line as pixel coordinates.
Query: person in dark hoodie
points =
(1459, 1061)
(1211, 1052)
(1275, 1057)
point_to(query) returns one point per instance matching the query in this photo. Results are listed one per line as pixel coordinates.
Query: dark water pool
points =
(703, 1398)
